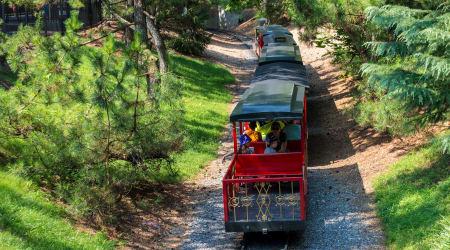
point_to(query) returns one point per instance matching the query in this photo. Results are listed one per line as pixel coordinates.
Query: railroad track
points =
(272, 240)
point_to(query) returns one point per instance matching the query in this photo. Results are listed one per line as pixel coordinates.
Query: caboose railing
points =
(264, 188)
(264, 199)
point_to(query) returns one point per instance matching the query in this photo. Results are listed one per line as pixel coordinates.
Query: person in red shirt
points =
(260, 42)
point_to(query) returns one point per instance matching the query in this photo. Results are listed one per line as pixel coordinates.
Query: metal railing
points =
(264, 199)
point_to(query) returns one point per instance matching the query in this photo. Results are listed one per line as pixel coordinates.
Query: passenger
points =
(244, 141)
(252, 133)
(244, 147)
(265, 127)
(272, 144)
(279, 135)
(260, 41)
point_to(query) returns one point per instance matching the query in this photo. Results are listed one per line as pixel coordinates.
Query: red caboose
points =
(267, 192)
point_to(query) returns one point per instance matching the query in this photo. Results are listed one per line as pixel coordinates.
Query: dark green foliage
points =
(190, 43)
(238, 5)
(407, 63)
(186, 19)
(411, 68)
(419, 4)
(83, 121)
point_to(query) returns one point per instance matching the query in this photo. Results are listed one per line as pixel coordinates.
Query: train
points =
(266, 190)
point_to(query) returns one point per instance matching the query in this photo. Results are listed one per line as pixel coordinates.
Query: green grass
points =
(28, 220)
(206, 101)
(413, 200)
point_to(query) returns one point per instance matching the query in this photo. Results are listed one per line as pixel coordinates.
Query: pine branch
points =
(104, 36)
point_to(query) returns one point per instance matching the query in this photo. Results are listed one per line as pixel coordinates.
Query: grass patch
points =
(206, 101)
(28, 220)
(413, 199)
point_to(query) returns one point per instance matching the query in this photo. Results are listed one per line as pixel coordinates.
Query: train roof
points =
(278, 36)
(282, 71)
(268, 101)
(275, 27)
(280, 52)
(269, 29)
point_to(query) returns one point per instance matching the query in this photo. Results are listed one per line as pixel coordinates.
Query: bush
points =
(384, 116)
(190, 43)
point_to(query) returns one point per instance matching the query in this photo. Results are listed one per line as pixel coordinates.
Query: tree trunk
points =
(90, 13)
(158, 42)
(139, 20)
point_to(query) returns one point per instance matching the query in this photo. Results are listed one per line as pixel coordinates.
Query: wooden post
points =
(3, 12)
(128, 31)
(99, 9)
(61, 17)
(47, 17)
(89, 13)
(139, 20)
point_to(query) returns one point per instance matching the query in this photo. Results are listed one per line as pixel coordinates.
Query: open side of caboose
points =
(267, 192)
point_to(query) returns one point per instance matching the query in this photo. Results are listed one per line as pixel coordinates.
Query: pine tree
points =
(411, 64)
(79, 119)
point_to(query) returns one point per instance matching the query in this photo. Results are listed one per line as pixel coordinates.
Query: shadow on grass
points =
(20, 229)
(412, 198)
(28, 221)
(7, 78)
(206, 100)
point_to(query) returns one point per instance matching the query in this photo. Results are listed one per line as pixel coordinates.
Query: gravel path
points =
(341, 211)
(205, 229)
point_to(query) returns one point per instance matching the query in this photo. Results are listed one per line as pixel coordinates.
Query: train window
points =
(280, 39)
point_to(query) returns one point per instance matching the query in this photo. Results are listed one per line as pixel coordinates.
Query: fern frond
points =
(409, 34)
(437, 39)
(387, 49)
(438, 67)
(400, 84)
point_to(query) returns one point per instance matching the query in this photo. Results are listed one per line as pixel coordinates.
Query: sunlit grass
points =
(206, 100)
(413, 199)
(28, 220)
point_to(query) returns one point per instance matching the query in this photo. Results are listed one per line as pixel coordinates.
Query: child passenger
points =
(279, 136)
(272, 144)
(244, 141)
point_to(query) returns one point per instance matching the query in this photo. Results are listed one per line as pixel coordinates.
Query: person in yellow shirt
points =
(252, 133)
(266, 128)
